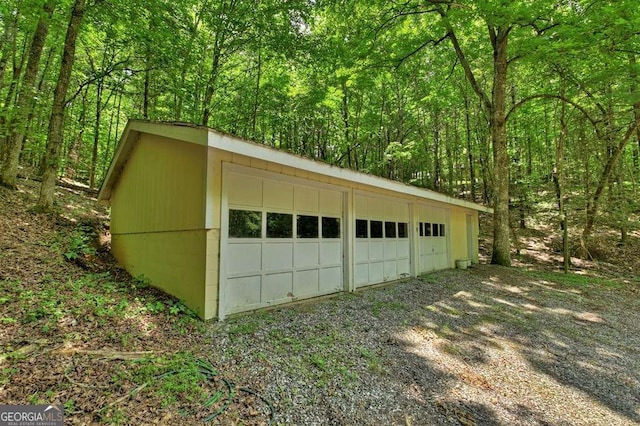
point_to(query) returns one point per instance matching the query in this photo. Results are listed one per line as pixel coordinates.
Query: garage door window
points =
(435, 229)
(362, 228)
(330, 227)
(390, 229)
(245, 224)
(442, 229)
(375, 227)
(307, 227)
(279, 225)
(427, 229)
(403, 230)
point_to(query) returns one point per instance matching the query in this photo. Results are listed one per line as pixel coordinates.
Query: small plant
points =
(374, 364)
(249, 327)
(140, 282)
(378, 305)
(5, 375)
(178, 307)
(79, 243)
(155, 307)
(179, 377)
(318, 361)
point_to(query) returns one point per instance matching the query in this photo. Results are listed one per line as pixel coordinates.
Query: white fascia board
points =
(179, 131)
(252, 150)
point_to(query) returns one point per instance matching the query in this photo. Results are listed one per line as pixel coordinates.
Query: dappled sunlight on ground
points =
(506, 342)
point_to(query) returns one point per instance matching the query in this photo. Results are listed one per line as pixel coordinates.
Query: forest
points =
(504, 103)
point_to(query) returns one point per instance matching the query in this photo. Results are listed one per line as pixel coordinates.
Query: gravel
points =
(488, 345)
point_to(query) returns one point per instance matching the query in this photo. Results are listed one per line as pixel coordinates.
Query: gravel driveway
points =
(488, 345)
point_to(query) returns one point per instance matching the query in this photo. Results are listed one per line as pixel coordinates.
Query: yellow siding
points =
(258, 164)
(161, 189)
(458, 235)
(288, 171)
(172, 261)
(273, 167)
(214, 189)
(302, 174)
(241, 159)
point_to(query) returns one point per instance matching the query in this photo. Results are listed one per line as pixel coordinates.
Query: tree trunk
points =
(256, 96)
(8, 42)
(10, 100)
(558, 180)
(96, 134)
(55, 133)
(496, 107)
(635, 98)
(472, 175)
(594, 202)
(437, 168)
(501, 251)
(211, 84)
(72, 156)
(25, 101)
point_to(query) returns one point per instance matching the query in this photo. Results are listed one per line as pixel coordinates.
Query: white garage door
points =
(382, 247)
(433, 238)
(283, 242)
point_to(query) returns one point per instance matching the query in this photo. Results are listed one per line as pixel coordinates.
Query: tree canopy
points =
(488, 100)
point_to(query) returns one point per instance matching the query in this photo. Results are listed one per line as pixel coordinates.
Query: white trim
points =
(224, 240)
(414, 265)
(279, 177)
(254, 150)
(348, 260)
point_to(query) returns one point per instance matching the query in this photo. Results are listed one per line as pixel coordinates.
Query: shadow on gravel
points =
(520, 348)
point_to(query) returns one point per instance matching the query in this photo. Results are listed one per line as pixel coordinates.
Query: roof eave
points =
(235, 145)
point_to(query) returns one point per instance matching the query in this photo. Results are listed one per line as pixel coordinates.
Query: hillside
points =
(489, 345)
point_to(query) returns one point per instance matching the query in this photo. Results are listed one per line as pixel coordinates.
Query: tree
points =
(51, 159)
(25, 100)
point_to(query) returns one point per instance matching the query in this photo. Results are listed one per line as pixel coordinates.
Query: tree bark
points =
(96, 134)
(496, 105)
(472, 174)
(558, 180)
(8, 42)
(56, 122)
(10, 99)
(211, 85)
(594, 202)
(437, 168)
(25, 101)
(501, 251)
(635, 96)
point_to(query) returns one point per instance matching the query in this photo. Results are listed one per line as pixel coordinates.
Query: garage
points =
(433, 238)
(228, 225)
(382, 244)
(284, 240)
